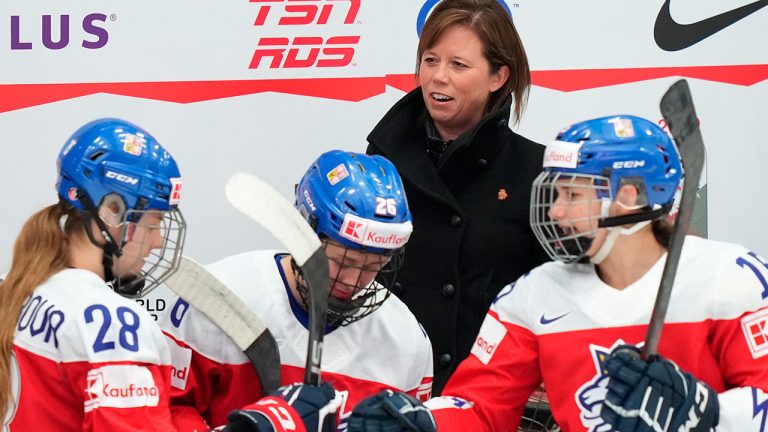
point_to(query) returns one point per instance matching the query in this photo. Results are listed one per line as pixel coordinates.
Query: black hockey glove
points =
(655, 396)
(293, 408)
(391, 412)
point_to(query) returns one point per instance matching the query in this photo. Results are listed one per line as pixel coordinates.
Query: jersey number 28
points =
(129, 326)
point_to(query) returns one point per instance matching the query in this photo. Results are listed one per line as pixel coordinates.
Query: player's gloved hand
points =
(655, 395)
(293, 408)
(391, 412)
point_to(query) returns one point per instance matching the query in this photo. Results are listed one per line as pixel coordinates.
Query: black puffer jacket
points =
(471, 222)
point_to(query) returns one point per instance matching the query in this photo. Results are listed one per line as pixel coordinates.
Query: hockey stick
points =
(680, 115)
(260, 202)
(204, 292)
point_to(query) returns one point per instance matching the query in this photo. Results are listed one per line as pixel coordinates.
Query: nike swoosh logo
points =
(673, 36)
(544, 321)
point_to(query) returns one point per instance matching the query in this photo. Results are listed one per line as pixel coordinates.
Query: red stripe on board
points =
(18, 96)
(574, 80)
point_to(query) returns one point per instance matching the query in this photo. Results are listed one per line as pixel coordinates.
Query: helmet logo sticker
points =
(72, 193)
(133, 181)
(309, 201)
(562, 154)
(623, 128)
(175, 196)
(628, 164)
(337, 174)
(133, 144)
(386, 207)
(373, 233)
(351, 230)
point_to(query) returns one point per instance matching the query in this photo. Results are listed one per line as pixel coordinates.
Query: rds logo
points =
(303, 51)
(430, 4)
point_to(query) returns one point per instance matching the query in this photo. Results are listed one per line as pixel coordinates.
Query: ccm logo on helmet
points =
(629, 164)
(122, 178)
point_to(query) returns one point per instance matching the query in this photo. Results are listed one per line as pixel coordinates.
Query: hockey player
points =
(357, 206)
(75, 353)
(599, 209)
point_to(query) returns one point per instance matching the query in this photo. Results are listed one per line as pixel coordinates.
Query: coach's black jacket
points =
(471, 222)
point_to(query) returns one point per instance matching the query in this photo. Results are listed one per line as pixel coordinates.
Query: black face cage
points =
(366, 298)
(537, 416)
(161, 262)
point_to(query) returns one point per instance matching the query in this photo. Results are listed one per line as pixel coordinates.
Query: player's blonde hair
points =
(40, 250)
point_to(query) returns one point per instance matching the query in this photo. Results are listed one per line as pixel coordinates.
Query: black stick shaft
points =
(680, 115)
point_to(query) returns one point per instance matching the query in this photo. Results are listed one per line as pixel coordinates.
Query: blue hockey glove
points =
(655, 396)
(293, 408)
(391, 412)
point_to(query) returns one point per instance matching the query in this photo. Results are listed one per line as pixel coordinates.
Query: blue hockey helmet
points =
(111, 156)
(356, 200)
(357, 203)
(111, 163)
(606, 153)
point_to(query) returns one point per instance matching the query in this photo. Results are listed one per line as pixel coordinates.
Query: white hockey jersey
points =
(557, 323)
(211, 376)
(87, 359)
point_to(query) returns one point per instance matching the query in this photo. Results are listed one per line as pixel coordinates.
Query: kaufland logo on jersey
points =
(491, 334)
(373, 233)
(301, 48)
(120, 386)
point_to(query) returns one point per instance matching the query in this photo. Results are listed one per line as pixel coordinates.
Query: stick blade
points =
(198, 287)
(677, 108)
(261, 202)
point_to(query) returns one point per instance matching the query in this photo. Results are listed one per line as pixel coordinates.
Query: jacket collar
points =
(401, 137)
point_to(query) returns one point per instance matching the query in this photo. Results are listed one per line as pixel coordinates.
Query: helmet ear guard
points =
(112, 210)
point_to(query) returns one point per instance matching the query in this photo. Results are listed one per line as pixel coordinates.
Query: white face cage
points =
(151, 249)
(567, 232)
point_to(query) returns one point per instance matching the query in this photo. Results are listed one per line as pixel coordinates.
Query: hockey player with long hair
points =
(357, 206)
(576, 324)
(76, 353)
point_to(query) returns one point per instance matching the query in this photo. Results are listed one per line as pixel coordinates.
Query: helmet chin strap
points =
(109, 248)
(615, 226)
(610, 240)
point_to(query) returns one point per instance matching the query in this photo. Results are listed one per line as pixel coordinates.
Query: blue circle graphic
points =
(427, 8)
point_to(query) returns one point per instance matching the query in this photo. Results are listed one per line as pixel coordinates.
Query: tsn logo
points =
(305, 51)
(304, 12)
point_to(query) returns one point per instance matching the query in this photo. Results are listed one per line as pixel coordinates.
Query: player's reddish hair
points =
(501, 42)
(40, 250)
